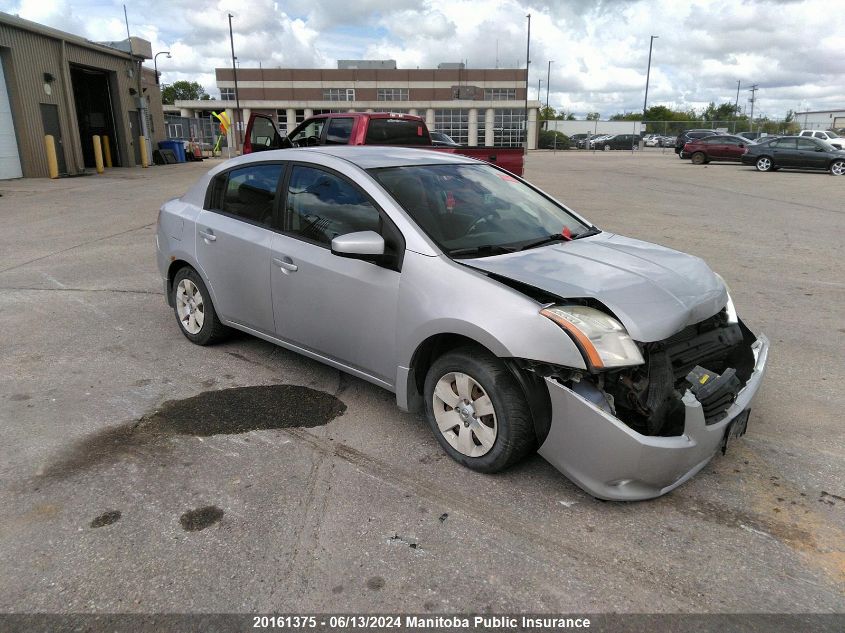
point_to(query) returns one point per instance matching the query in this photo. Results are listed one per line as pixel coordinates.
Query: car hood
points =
(654, 291)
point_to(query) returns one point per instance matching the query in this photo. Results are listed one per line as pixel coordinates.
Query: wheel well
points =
(174, 268)
(429, 351)
(435, 346)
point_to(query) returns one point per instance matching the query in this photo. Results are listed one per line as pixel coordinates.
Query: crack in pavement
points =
(70, 248)
(138, 292)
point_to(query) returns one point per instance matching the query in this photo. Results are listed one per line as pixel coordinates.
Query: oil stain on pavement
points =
(223, 411)
(107, 518)
(201, 518)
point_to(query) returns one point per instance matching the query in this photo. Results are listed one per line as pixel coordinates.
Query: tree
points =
(547, 113)
(593, 116)
(183, 91)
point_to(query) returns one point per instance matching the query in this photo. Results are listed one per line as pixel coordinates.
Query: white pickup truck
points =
(831, 137)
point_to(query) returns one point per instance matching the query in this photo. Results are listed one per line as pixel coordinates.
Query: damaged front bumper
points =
(609, 460)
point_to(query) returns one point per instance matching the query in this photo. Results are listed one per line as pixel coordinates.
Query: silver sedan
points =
(511, 321)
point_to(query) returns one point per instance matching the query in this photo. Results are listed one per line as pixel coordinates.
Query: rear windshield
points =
(397, 132)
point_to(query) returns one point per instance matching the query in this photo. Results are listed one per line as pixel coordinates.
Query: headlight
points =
(730, 310)
(602, 339)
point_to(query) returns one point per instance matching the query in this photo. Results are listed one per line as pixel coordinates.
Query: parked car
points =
(753, 136)
(651, 140)
(686, 136)
(510, 320)
(719, 147)
(619, 141)
(577, 139)
(800, 152)
(597, 139)
(826, 135)
(666, 141)
(584, 141)
(442, 139)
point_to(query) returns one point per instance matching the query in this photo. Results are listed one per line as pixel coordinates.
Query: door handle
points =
(208, 235)
(285, 264)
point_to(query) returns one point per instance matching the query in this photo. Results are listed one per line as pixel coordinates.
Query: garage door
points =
(10, 162)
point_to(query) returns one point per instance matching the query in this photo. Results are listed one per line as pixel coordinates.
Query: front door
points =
(50, 120)
(234, 240)
(340, 308)
(810, 154)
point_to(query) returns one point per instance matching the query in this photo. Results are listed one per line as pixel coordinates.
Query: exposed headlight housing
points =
(603, 340)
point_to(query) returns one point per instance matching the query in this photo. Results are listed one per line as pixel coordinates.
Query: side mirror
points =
(358, 245)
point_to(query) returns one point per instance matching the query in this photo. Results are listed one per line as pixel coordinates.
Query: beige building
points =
(52, 82)
(473, 106)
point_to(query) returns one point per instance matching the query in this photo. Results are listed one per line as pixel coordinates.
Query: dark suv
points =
(686, 136)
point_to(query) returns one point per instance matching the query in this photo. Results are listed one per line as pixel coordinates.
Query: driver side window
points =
(310, 134)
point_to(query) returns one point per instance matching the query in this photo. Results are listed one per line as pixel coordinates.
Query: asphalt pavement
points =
(141, 473)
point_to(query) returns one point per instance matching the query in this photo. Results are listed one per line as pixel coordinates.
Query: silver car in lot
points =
(510, 320)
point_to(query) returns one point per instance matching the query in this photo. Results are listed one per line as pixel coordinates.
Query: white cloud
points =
(791, 49)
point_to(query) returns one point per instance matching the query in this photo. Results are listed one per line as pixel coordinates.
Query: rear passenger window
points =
(339, 131)
(397, 132)
(249, 193)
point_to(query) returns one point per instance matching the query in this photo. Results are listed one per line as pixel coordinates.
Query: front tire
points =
(837, 168)
(607, 148)
(764, 163)
(477, 411)
(194, 310)
(699, 158)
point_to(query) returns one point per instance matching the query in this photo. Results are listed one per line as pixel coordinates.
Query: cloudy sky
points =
(792, 49)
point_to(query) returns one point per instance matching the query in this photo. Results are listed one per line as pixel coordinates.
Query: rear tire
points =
(477, 411)
(837, 168)
(607, 148)
(699, 158)
(194, 310)
(764, 163)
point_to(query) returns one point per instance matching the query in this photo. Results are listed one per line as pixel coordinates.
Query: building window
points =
(508, 127)
(227, 94)
(500, 94)
(339, 94)
(454, 122)
(482, 127)
(392, 94)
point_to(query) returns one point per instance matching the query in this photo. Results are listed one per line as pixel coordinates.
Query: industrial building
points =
(56, 83)
(821, 119)
(483, 106)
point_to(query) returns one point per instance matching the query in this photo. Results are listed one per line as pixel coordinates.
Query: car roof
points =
(363, 156)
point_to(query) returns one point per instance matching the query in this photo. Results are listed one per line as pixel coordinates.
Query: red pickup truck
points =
(369, 128)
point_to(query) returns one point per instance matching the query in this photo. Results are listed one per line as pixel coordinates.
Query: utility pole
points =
(527, 65)
(736, 104)
(648, 72)
(548, 82)
(753, 91)
(539, 84)
(237, 96)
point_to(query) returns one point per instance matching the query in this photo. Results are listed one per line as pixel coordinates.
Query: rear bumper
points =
(611, 461)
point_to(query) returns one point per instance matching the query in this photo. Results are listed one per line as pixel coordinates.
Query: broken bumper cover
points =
(609, 460)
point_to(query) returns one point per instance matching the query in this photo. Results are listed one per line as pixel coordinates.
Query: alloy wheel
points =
(838, 168)
(764, 164)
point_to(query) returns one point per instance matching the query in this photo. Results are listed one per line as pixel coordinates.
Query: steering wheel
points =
(307, 141)
(484, 218)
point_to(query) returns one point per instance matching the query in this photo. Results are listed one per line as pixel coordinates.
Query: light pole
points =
(155, 61)
(527, 64)
(237, 96)
(648, 72)
(548, 82)
(539, 87)
(736, 103)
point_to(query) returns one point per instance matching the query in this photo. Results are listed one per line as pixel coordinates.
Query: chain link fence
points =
(733, 126)
(200, 130)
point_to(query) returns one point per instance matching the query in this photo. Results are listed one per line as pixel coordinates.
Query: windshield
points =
(470, 208)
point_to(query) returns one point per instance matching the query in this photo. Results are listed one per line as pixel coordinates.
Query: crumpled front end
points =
(621, 438)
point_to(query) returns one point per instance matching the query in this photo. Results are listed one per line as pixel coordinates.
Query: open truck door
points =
(262, 135)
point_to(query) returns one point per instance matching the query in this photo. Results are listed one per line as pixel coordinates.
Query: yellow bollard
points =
(98, 154)
(142, 143)
(107, 151)
(52, 161)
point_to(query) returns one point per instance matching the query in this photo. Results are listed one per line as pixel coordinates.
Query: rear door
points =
(734, 148)
(234, 240)
(785, 152)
